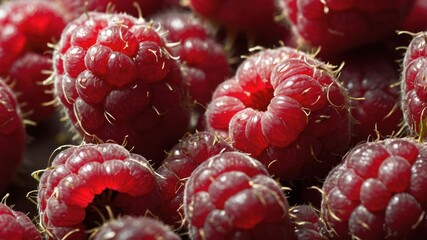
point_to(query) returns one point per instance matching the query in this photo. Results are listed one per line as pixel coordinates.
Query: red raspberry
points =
(26, 28)
(12, 136)
(306, 222)
(182, 159)
(85, 183)
(286, 109)
(414, 97)
(232, 196)
(16, 225)
(337, 25)
(379, 191)
(117, 82)
(128, 227)
(375, 105)
(205, 63)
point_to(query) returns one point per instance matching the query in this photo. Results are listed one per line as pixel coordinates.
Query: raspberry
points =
(26, 29)
(413, 86)
(116, 80)
(205, 62)
(128, 227)
(376, 105)
(307, 224)
(286, 109)
(12, 135)
(182, 159)
(378, 191)
(16, 225)
(230, 196)
(335, 26)
(86, 182)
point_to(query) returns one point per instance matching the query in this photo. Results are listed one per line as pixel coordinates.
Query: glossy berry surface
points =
(286, 109)
(230, 196)
(116, 80)
(307, 223)
(378, 191)
(85, 183)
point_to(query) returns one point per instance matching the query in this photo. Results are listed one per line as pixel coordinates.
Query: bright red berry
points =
(85, 184)
(117, 81)
(286, 109)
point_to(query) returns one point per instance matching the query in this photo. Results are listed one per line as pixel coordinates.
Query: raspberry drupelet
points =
(116, 80)
(287, 110)
(86, 184)
(378, 191)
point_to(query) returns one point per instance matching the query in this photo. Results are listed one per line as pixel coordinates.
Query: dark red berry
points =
(231, 196)
(182, 159)
(16, 225)
(378, 191)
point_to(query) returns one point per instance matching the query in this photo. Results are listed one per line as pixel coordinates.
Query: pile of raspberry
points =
(212, 120)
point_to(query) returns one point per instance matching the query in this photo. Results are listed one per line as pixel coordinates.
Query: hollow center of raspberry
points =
(101, 209)
(261, 99)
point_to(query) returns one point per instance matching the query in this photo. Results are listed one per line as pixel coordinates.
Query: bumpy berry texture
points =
(232, 196)
(205, 63)
(26, 29)
(85, 184)
(128, 228)
(286, 109)
(337, 25)
(371, 76)
(16, 225)
(307, 223)
(414, 97)
(116, 80)
(379, 191)
(12, 135)
(182, 159)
